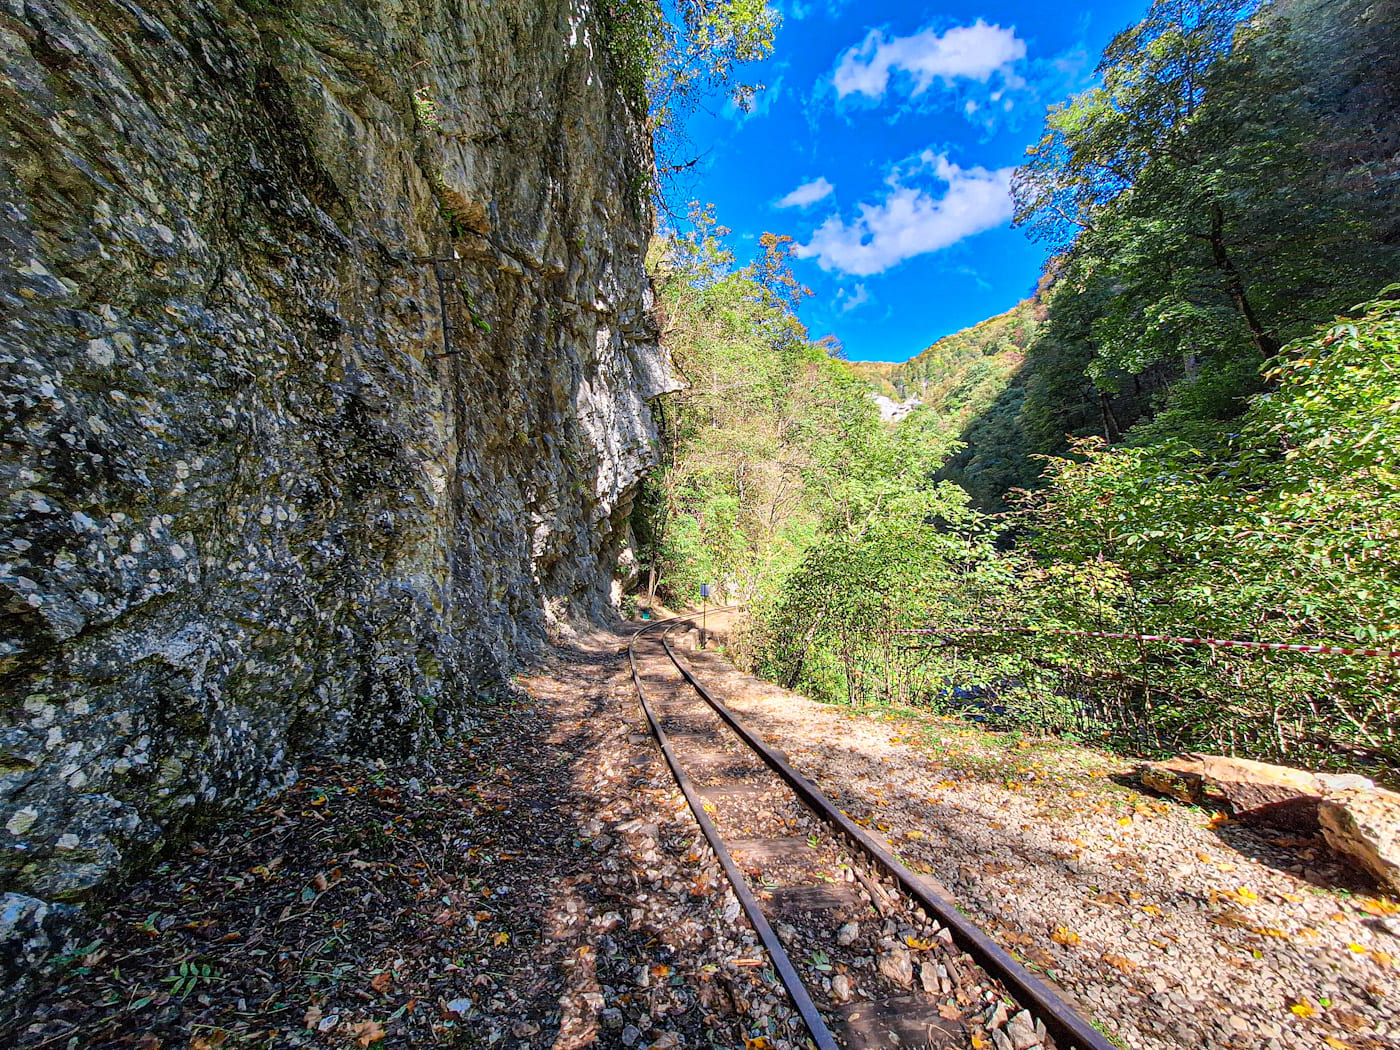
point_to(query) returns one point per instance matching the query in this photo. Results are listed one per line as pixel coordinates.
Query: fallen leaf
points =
(1230, 917)
(1065, 936)
(381, 981)
(1152, 909)
(367, 1032)
(500, 938)
(949, 1012)
(312, 1017)
(758, 1043)
(1356, 949)
(1348, 1020)
(1302, 1009)
(1121, 963)
(1379, 907)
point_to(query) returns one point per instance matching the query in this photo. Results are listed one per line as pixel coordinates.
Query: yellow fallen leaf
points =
(1152, 909)
(1337, 1044)
(758, 1043)
(1125, 821)
(1382, 959)
(1302, 1009)
(367, 1032)
(500, 938)
(918, 945)
(1079, 794)
(1065, 936)
(1356, 949)
(914, 833)
(1246, 895)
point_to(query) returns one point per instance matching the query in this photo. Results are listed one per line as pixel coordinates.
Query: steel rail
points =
(1062, 1021)
(797, 991)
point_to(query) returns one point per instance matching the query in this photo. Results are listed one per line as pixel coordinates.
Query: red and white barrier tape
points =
(1221, 643)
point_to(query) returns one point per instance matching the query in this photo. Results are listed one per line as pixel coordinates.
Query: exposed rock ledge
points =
(1359, 820)
(249, 514)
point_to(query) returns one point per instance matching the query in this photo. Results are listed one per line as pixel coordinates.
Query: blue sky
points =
(884, 142)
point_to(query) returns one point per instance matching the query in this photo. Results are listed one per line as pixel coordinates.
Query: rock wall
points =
(260, 502)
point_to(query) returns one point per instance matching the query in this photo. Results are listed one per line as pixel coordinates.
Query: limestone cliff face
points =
(250, 510)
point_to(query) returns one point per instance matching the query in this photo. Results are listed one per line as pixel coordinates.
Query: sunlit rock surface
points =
(248, 514)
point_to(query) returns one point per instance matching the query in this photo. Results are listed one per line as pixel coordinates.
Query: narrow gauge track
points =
(866, 948)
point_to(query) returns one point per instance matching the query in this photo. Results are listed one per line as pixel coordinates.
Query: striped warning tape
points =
(1220, 643)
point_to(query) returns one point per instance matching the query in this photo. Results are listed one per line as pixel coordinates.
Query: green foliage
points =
(188, 977)
(1284, 531)
(1204, 215)
(667, 54)
(772, 445)
(425, 109)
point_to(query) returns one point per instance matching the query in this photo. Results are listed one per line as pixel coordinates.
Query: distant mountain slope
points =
(965, 379)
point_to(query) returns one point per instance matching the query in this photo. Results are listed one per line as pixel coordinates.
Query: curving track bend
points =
(871, 954)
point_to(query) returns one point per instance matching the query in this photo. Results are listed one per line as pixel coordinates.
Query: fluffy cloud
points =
(972, 52)
(848, 299)
(912, 221)
(807, 193)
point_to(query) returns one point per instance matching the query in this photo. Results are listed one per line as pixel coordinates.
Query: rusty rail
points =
(1062, 1021)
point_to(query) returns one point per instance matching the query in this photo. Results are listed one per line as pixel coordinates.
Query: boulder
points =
(1182, 786)
(1256, 792)
(1363, 825)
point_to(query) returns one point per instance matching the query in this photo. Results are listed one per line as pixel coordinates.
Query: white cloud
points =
(972, 52)
(911, 221)
(806, 194)
(848, 299)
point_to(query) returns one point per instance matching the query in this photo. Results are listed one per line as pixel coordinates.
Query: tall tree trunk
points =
(1112, 432)
(1267, 345)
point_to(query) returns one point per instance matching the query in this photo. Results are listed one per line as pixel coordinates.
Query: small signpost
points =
(704, 608)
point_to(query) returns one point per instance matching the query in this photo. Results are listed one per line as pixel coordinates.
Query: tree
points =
(667, 54)
(1187, 188)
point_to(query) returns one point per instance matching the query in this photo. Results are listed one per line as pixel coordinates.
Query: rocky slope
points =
(251, 512)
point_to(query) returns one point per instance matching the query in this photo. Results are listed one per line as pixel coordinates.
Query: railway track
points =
(871, 954)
